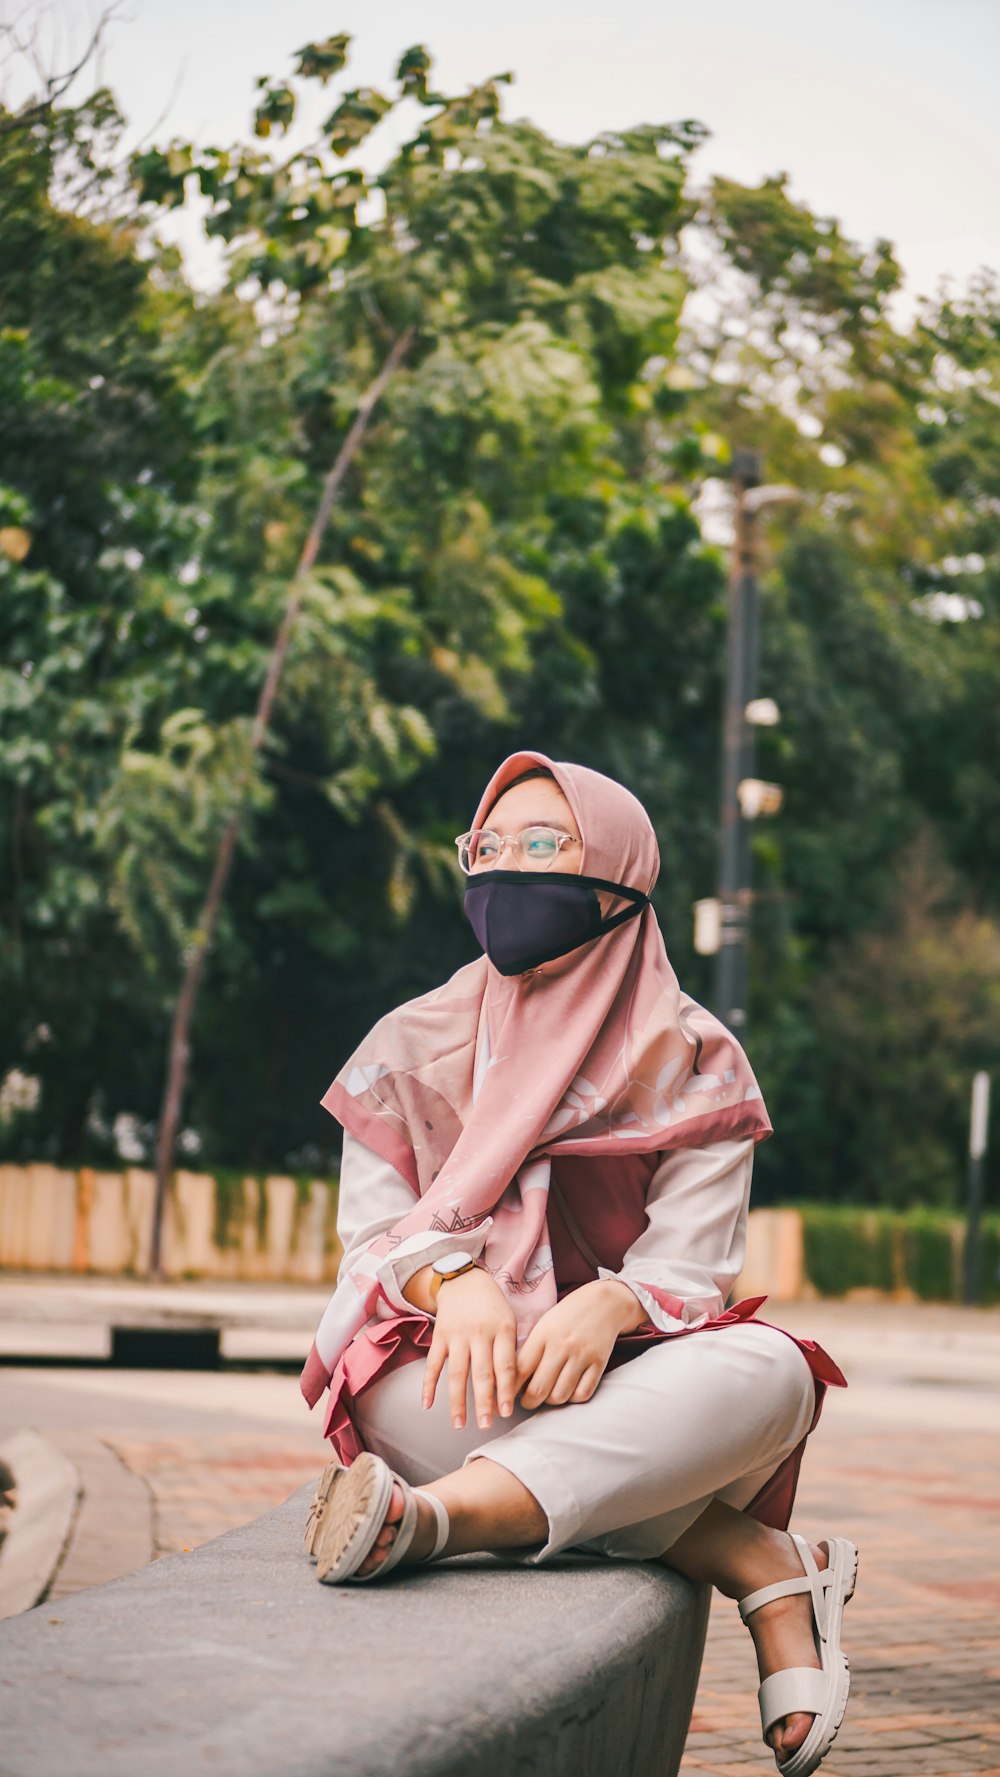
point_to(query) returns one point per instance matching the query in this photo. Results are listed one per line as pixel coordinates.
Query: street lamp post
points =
(743, 797)
(737, 754)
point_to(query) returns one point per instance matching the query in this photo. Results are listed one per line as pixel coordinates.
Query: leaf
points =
(358, 113)
(321, 61)
(275, 109)
(159, 177)
(412, 72)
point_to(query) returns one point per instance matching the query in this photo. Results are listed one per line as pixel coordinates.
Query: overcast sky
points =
(884, 112)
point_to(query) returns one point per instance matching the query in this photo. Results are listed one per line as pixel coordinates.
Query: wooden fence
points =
(283, 1230)
(266, 1230)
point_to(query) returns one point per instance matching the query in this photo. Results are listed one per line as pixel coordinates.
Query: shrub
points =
(849, 1246)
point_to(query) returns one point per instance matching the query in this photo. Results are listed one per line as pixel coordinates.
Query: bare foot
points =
(423, 1537)
(783, 1636)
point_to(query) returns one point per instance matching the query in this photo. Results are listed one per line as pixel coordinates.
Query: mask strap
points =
(634, 895)
(618, 919)
(541, 877)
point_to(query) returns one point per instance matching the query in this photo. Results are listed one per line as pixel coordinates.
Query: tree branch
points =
(55, 84)
(179, 1049)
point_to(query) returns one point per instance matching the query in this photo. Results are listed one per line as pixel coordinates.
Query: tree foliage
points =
(517, 558)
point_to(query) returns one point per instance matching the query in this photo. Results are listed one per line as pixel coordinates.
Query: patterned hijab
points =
(470, 1089)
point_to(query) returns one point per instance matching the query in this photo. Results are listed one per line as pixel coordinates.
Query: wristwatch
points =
(451, 1265)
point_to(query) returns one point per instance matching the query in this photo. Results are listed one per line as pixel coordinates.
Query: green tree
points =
(514, 558)
(93, 485)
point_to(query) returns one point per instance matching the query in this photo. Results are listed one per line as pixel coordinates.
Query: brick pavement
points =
(905, 1462)
(922, 1631)
(200, 1489)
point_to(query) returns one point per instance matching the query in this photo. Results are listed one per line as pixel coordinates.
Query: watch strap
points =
(439, 1277)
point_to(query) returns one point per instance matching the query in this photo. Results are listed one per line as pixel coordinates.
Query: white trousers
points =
(708, 1416)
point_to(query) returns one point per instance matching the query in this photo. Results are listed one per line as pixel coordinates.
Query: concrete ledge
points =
(235, 1661)
(46, 1317)
(47, 1493)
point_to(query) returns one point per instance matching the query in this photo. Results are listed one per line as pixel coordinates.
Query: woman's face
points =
(537, 803)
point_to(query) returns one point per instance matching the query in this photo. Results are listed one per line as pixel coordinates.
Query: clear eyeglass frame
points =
(469, 847)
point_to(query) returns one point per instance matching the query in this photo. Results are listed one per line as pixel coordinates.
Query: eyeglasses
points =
(534, 847)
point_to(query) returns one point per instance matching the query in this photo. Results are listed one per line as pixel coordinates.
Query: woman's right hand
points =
(474, 1329)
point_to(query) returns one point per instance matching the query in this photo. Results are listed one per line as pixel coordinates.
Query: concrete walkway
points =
(905, 1461)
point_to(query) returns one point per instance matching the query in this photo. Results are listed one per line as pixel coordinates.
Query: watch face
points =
(452, 1262)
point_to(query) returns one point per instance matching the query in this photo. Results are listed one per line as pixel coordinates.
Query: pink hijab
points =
(469, 1090)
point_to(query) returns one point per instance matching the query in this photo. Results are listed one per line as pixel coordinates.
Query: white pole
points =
(978, 1120)
(980, 1115)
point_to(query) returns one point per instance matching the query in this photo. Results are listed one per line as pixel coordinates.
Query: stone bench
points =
(234, 1661)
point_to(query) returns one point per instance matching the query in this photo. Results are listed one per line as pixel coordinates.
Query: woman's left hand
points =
(566, 1353)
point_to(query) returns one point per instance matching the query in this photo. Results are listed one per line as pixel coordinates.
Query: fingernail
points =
(484, 1423)
(505, 1408)
(457, 1423)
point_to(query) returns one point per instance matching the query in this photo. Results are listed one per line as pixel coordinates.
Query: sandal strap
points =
(780, 1589)
(813, 1580)
(443, 1522)
(792, 1689)
(822, 1596)
(405, 1530)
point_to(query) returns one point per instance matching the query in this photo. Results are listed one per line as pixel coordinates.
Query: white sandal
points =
(353, 1512)
(822, 1693)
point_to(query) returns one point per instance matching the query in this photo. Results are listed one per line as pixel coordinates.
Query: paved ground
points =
(214, 1450)
(905, 1461)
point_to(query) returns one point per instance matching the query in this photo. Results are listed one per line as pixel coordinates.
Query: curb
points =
(48, 1494)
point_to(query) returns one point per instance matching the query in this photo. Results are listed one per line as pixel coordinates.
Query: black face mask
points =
(520, 930)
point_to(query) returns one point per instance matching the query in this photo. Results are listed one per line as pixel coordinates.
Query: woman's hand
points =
(566, 1353)
(474, 1328)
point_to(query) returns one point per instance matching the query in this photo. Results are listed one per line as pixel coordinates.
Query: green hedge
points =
(848, 1247)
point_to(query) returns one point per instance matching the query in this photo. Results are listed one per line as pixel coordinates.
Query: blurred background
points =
(377, 403)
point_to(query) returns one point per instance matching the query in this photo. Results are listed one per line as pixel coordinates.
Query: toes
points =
(787, 1736)
(387, 1535)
